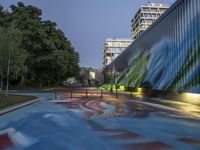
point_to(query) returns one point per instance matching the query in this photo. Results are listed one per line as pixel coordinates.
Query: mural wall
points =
(167, 55)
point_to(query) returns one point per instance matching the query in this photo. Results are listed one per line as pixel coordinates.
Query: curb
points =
(18, 106)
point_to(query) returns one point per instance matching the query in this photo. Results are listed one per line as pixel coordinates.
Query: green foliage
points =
(50, 57)
(10, 52)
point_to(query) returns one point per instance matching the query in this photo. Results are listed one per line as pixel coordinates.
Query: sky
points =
(88, 23)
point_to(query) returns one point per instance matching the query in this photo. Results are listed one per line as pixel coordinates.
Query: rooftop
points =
(156, 4)
(119, 39)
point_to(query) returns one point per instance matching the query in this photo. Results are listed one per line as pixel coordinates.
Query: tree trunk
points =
(22, 81)
(1, 88)
(8, 74)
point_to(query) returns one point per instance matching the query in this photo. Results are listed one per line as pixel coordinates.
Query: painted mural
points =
(167, 55)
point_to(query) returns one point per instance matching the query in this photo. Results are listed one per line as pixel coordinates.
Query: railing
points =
(96, 94)
(78, 93)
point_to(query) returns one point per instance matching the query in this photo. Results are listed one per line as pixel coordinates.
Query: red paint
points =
(190, 141)
(5, 142)
(148, 146)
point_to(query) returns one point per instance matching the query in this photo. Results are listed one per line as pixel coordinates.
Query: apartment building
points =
(113, 47)
(145, 16)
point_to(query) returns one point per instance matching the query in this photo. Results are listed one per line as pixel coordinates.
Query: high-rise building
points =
(113, 47)
(145, 16)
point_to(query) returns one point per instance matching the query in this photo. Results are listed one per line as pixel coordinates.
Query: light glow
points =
(122, 88)
(191, 98)
(139, 90)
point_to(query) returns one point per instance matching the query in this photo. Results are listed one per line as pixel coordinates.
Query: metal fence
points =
(78, 93)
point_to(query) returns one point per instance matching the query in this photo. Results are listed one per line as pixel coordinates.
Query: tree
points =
(1, 69)
(50, 56)
(12, 56)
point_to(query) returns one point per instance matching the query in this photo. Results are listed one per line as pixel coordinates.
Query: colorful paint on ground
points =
(96, 124)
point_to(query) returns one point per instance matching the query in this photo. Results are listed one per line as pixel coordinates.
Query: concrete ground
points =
(109, 123)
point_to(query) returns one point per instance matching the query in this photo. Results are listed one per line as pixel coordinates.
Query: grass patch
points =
(13, 100)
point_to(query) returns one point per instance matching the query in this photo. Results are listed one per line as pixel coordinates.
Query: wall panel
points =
(167, 55)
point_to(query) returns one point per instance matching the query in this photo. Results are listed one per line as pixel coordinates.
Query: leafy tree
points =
(12, 57)
(50, 56)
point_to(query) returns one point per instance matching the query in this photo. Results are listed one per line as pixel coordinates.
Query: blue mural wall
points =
(167, 55)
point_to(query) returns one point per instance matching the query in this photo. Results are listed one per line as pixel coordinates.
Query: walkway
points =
(108, 124)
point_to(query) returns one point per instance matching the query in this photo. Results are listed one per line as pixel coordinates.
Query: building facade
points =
(90, 76)
(145, 16)
(167, 54)
(114, 47)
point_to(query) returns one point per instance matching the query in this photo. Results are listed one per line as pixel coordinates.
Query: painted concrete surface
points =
(96, 124)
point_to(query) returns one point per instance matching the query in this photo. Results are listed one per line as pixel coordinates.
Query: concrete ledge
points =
(17, 106)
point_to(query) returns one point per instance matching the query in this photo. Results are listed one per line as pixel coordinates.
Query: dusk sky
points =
(88, 23)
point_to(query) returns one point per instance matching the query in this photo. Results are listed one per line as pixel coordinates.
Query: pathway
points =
(108, 124)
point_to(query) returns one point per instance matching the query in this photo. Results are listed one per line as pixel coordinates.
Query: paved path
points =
(96, 124)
